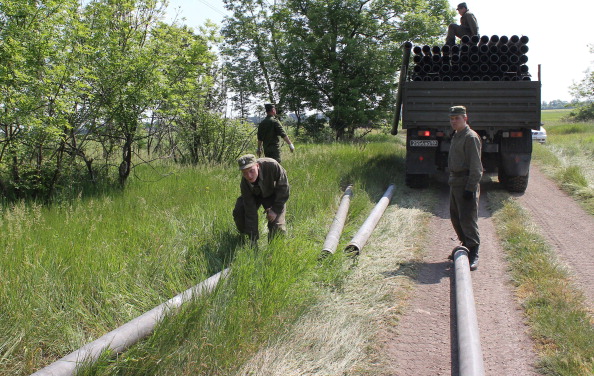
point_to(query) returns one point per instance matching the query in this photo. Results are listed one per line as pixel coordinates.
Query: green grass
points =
(75, 271)
(558, 317)
(553, 116)
(567, 156)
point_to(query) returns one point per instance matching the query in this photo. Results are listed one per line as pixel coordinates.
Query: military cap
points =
(457, 110)
(462, 5)
(246, 161)
(269, 107)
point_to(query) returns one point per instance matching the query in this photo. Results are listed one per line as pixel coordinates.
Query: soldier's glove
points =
(292, 148)
(270, 215)
(468, 195)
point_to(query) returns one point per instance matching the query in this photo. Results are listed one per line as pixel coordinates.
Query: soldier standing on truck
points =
(466, 170)
(269, 130)
(468, 25)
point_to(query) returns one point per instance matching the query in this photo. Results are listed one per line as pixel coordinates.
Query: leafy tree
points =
(334, 56)
(584, 91)
(35, 100)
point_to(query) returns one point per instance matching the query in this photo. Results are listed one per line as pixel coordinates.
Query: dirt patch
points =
(425, 343)
(565, 226)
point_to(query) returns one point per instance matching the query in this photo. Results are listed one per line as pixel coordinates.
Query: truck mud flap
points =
(516, 164)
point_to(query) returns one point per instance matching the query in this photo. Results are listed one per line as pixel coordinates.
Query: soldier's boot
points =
(473, 257)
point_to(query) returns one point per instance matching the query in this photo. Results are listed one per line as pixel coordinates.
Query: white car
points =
(539, 135)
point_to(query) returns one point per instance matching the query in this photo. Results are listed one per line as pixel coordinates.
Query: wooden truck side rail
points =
(490, 104)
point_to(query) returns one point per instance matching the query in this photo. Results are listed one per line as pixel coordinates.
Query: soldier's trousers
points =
(454, 31)
(464, 216)
(278, 226)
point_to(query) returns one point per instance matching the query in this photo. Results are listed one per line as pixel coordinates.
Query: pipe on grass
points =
(470, 355)
(128, 334)
(338, 224)
(361, 237)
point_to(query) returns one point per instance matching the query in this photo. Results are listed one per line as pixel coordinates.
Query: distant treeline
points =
(557, 104)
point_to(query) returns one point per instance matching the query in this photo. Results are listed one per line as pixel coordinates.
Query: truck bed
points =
(490, 104)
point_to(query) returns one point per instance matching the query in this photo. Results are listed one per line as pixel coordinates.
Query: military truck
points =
(486, 74)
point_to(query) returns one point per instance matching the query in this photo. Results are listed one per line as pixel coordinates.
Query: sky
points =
(560, 33)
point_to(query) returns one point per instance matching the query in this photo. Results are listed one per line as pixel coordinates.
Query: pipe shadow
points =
(216, 253)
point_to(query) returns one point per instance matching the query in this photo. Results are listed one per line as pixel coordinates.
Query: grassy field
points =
(568, 155)
(72, 272)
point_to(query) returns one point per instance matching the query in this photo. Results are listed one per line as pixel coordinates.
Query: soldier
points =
(466, 170)
(468, 25)
(264, 183)
(269, 130)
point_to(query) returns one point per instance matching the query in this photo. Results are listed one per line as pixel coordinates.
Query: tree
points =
(35, 95)
(93, 82)
(339, 57)
(584, 91)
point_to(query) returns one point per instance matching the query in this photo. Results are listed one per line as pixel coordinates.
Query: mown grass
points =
(558, 317)
(568, 154)
(72, 272)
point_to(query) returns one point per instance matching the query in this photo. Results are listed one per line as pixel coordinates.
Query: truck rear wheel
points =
(516, 183)
(417, 180)
(513, 183)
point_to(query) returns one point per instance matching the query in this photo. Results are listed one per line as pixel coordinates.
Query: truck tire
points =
(516, 183)
(417, 180)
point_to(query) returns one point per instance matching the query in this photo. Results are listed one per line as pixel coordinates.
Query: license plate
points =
(423, 143)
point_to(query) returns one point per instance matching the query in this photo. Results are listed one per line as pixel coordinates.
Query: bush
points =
(583, 113)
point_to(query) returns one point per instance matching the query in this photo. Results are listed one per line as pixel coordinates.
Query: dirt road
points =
(426, 341)
(567, 228)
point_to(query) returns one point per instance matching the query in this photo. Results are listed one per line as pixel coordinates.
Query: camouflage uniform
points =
(468, 26)
(269, 131)
(466, 170)
(271, 190)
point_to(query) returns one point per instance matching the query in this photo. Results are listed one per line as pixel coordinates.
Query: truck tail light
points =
(424, 133)
(516, 134)
(439, 134)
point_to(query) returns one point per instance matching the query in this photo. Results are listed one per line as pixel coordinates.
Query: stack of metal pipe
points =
(476, 58)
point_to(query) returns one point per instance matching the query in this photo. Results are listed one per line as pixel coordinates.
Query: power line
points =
(205, 2)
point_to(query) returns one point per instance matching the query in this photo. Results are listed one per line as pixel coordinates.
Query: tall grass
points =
(567, 156)
(72, 272)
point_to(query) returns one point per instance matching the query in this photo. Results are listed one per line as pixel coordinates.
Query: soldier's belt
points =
(459, 174)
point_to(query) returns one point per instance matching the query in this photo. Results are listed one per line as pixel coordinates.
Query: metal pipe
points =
(361, 237)
(470, 355)
(338, 223)
(403, 72)
(128, 334)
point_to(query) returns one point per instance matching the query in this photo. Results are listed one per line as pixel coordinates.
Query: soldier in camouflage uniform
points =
(269, 130)
(264, 183)
(466, 170)
(468, 25)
